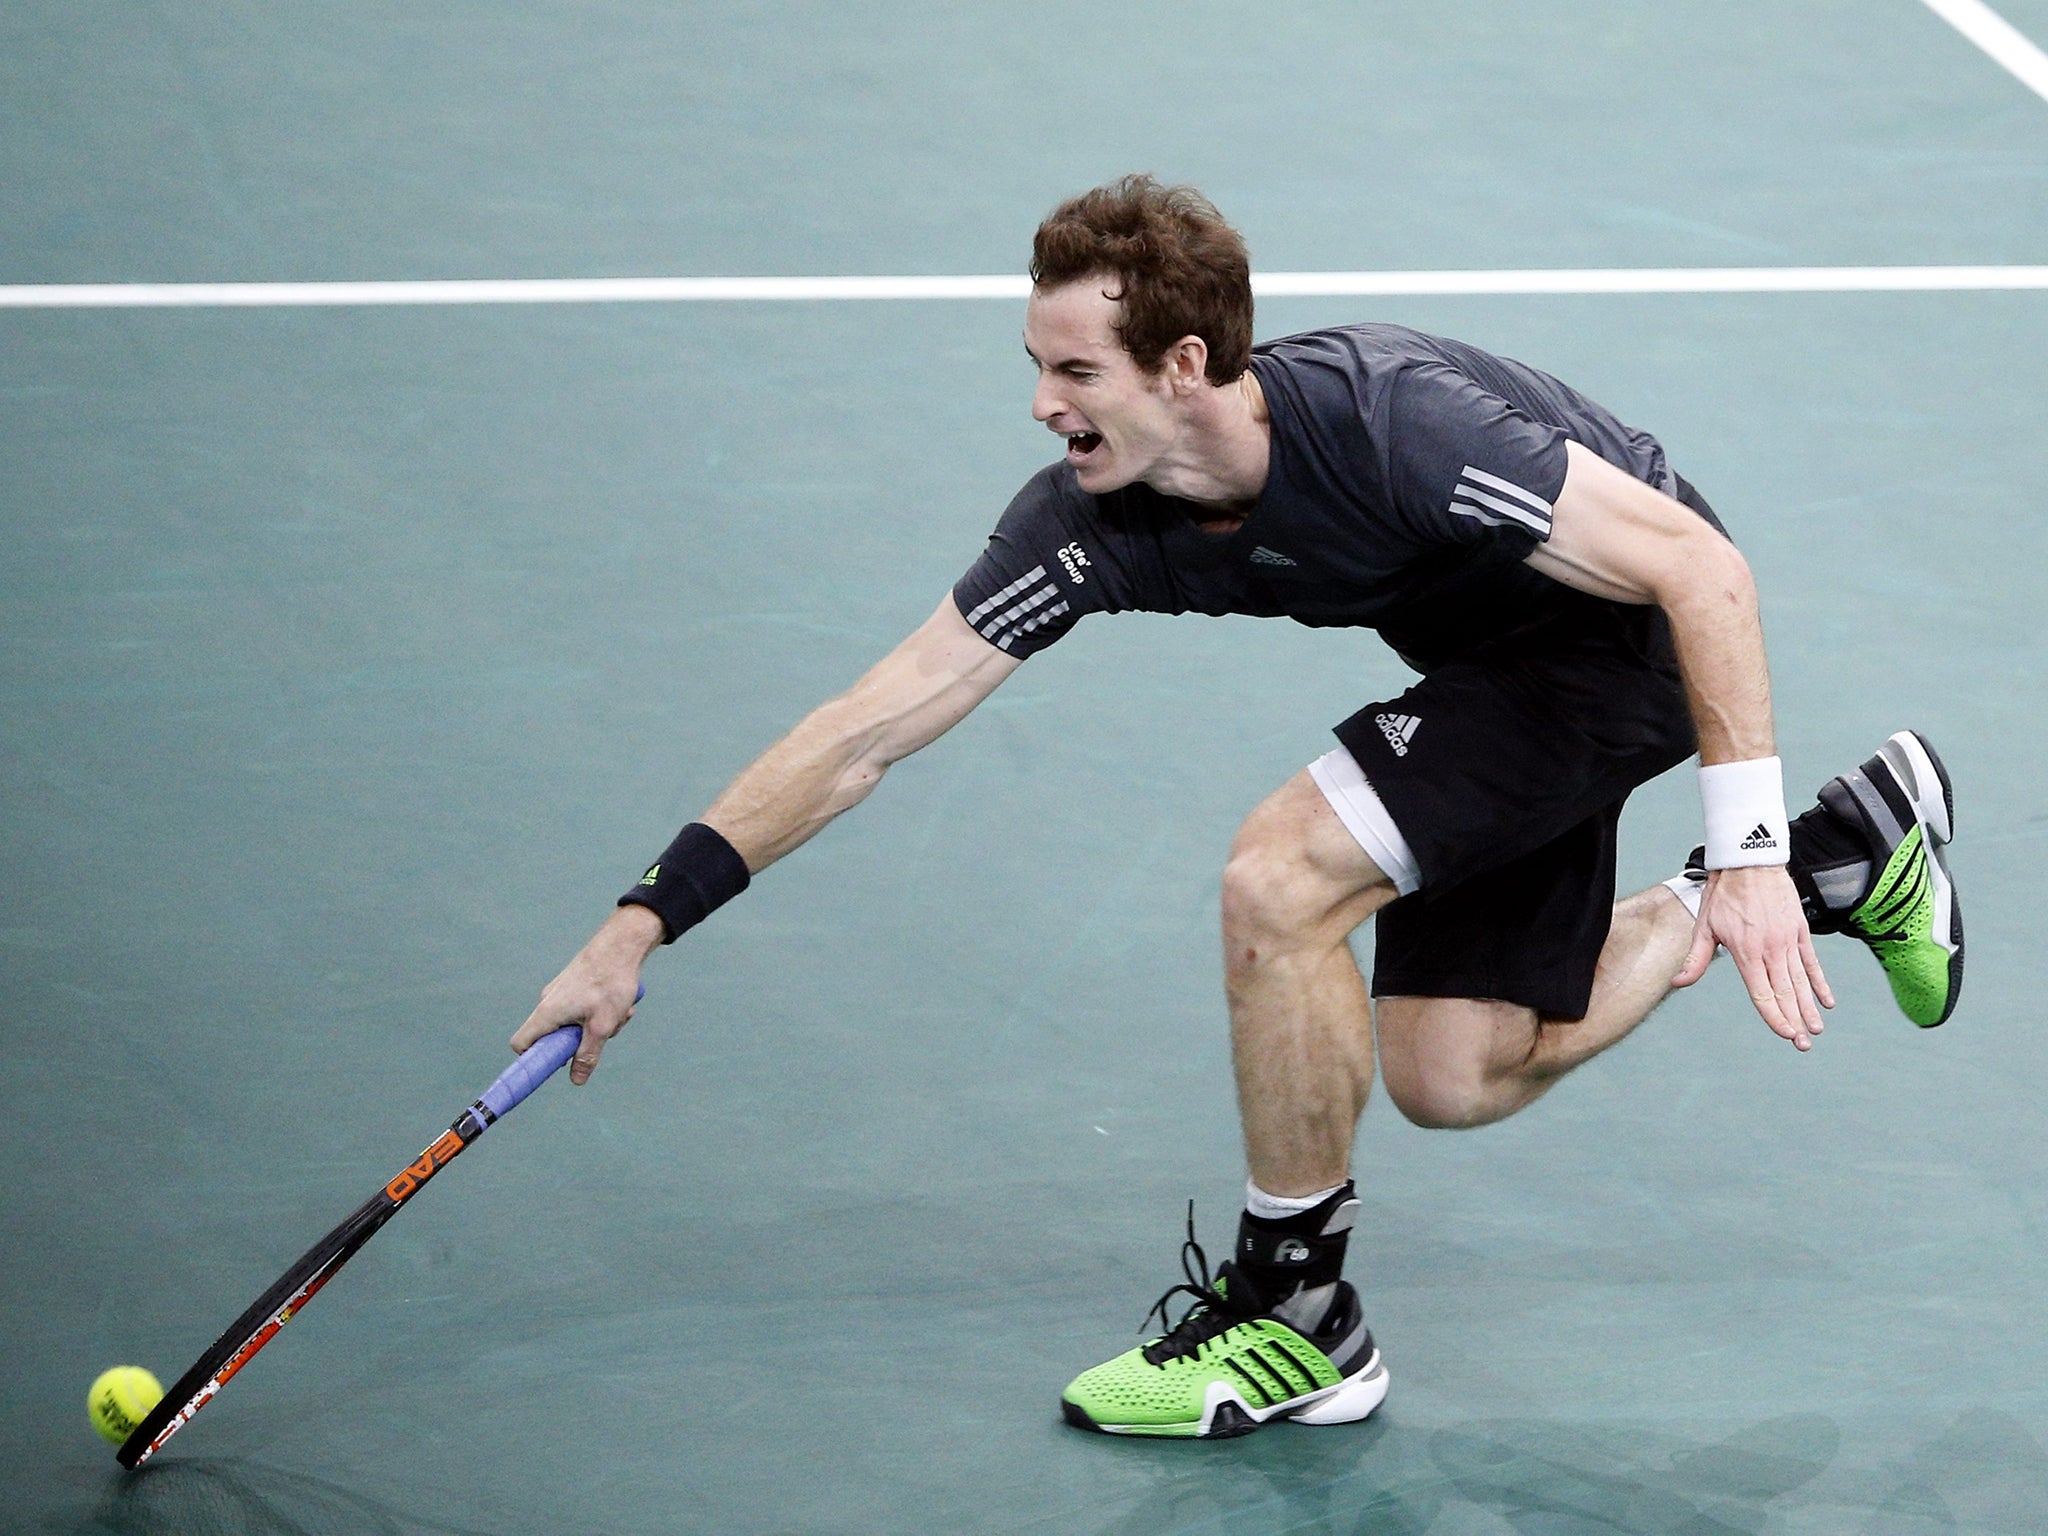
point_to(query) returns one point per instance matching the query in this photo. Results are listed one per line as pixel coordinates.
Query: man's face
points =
(1118, 420)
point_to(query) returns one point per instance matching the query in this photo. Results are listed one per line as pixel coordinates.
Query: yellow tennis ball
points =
(120, 1399)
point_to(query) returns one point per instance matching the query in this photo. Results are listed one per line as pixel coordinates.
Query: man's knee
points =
(1294, 871)
(1267, 888)
(1446, 1061)
(1439, 1096)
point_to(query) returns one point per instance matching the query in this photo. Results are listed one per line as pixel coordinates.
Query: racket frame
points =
(267, 1315)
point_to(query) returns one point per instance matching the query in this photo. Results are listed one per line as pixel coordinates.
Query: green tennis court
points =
(353, 657)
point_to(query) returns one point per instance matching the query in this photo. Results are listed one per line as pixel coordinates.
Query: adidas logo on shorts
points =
(1758, 839)
(1265, 556)
(1399, 731)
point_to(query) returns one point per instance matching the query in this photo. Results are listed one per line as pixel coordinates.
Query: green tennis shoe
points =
(1909, 917)
(1230, 1364)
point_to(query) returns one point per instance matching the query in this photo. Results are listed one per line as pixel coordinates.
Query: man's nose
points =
(1045, 400)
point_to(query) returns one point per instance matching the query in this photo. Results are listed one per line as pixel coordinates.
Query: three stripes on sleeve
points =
(1024, 605)
(1496, 502)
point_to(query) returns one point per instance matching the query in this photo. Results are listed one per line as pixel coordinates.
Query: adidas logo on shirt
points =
(1265, 556)
(1399, 731)
(1758, 839)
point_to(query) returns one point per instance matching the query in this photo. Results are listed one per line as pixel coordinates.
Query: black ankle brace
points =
(1284, 1255)
(1831, 863)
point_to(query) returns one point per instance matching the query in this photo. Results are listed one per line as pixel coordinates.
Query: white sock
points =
(1280, 1207)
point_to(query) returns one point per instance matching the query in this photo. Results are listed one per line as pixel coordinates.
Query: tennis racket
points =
(320, 1263)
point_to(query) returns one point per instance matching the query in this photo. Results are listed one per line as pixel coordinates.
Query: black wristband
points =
(696, 875)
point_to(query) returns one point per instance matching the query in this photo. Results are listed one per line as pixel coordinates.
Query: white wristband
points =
(1745, 809)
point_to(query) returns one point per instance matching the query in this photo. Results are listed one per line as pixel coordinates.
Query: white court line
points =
(1654, 280)
(685, 290)
(2006, 44)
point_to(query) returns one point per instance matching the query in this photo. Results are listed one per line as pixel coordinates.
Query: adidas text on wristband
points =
(696, 875)
(1745, 813)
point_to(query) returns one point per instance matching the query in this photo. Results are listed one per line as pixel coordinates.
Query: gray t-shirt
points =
(1410, 477)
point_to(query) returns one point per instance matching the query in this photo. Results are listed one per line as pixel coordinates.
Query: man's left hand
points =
(1754, 914)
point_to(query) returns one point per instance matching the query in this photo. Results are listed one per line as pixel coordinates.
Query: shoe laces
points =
(1210, 1312)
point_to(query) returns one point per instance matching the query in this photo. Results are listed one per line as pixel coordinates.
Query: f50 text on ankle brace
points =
(1745, 813)
(1306, 1248)
(696, 875)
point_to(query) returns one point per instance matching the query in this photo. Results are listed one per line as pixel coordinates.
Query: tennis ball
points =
(119, 1399)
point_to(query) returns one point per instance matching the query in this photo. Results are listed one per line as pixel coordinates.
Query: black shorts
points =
(1506, 771)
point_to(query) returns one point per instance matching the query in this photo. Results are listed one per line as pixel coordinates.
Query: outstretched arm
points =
(1618, 538)
(826, 765)
(840, 751)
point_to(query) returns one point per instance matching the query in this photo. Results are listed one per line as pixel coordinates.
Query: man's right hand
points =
(597, 989)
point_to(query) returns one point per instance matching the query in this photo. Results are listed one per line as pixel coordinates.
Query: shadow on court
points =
(1982, 1473)
(235, 1498)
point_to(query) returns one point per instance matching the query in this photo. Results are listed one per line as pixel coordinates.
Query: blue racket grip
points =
(540, 1061)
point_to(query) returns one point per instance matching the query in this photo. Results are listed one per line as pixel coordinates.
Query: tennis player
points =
(1580, 623)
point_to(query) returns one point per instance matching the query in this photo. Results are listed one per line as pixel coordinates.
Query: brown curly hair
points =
(1181, 270)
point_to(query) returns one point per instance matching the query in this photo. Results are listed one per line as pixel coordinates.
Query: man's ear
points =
(1187, 364)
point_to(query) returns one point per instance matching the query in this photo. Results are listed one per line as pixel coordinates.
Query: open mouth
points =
(1081, 444)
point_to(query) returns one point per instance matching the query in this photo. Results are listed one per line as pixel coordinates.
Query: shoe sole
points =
(1919, 770)
(1352, 1399)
